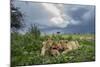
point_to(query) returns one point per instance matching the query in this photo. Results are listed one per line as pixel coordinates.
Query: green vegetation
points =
(25, 50)
(16, 17)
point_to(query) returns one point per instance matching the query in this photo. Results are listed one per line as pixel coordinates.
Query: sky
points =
(53, 17)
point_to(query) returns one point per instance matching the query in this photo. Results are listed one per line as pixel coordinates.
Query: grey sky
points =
(66, 18)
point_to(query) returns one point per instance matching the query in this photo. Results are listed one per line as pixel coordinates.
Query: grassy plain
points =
(25, 49)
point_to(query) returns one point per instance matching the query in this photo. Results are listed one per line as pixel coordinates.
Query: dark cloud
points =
(82, 17)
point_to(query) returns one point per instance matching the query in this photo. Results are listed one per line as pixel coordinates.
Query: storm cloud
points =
(65, 18)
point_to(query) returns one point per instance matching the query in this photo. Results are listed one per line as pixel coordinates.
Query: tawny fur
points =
(71, 45)
(55, 48)
(54, 52)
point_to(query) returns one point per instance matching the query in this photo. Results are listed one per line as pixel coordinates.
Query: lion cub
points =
(71, 45)
(55, 48)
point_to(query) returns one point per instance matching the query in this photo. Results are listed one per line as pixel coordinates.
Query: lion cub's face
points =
(54, 49)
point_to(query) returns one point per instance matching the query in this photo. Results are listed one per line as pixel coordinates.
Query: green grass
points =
(25, 50)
